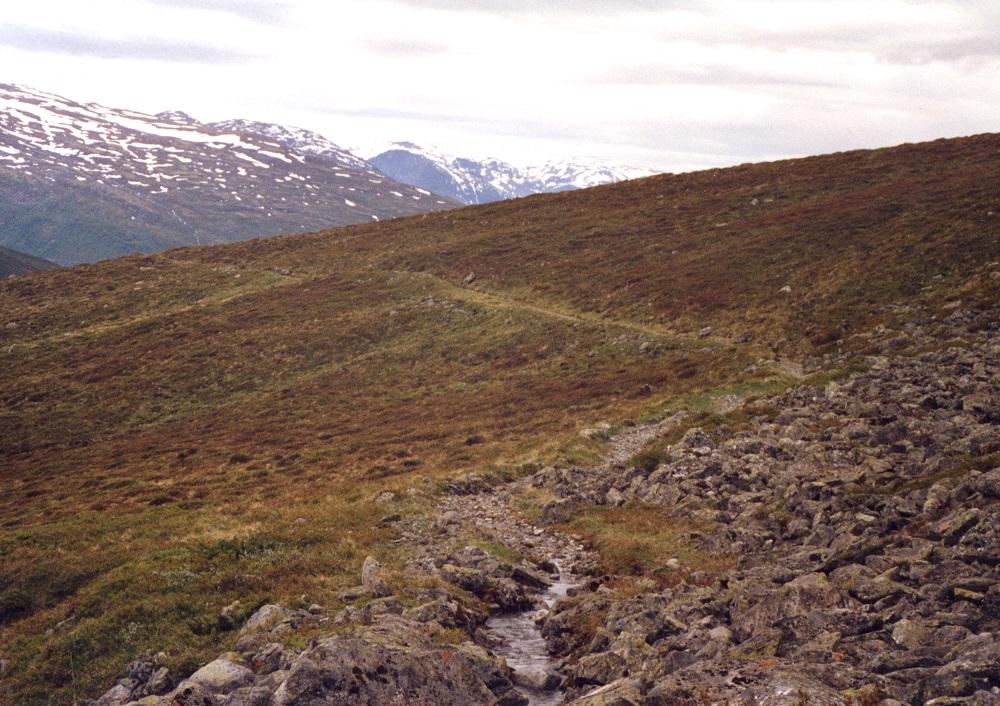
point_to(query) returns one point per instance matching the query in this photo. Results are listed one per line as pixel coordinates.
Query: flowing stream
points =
(523, 646)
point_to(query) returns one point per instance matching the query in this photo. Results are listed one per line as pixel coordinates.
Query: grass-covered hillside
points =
(182, 430)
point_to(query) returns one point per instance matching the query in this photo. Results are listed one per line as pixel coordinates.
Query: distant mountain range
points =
(473, 181)
(13, 262)
(83, 182)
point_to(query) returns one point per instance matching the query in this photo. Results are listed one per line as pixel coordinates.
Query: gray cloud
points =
(692, 82)
(968, 36)
(52, 42)
(665, 75)
(956, 49)
(901, 47)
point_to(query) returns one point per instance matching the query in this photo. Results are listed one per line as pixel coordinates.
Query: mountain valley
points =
(723, 437)
(82, 182)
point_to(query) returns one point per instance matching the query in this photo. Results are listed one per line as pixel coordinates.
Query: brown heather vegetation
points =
(181, 430)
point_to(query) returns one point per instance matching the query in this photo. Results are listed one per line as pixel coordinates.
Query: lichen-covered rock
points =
(600, 668)
(974, 669)
(250, 696)
(394, 662)
(810, 595)
(624, 692)
(270, 658)
(189, 693)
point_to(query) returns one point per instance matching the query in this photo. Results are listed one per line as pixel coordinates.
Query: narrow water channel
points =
(523, 646)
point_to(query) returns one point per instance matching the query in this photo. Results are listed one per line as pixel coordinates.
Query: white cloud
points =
(670, 84)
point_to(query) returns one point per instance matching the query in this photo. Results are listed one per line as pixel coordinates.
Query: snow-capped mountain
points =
(581, 174)
(82, 182)
(480, 181)
(296, 138)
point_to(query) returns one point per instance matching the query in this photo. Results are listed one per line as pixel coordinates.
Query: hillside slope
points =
(17, 263)
(83, 182)
(476, 181)
(248, 422)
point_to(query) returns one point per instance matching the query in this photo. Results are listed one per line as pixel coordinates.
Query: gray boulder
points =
(222, 676)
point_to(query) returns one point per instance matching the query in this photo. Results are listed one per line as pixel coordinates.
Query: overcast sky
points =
(667, 84)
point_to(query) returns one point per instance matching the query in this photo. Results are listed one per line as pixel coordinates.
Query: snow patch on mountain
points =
(303, 141)
(229, 180)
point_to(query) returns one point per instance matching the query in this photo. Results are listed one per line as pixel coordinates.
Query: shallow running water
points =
(523, 645)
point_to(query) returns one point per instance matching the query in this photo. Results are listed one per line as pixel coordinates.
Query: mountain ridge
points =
(13, 262)
(477, 181)
(81, 182)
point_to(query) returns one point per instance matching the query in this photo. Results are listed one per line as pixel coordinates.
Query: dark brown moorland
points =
(181, 430)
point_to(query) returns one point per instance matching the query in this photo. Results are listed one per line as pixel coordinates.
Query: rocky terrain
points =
(473, 181)
(726, 436)
(443, 636)
(861, 519)
(84, 182)
(857, 523)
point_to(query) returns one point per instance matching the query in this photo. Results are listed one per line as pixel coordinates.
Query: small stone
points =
(160, 682)
(964, 594)
(266, 618)
(512, 697)
(624, 692)
(369, 571)
(721, 633)
(386, 496)
(909, 634)
(349, 595)
(228, 616)
(537, 679)
(937, 498)
(371, 578)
